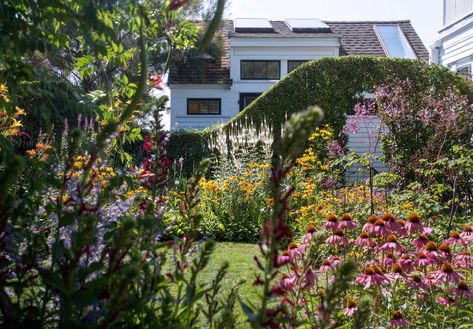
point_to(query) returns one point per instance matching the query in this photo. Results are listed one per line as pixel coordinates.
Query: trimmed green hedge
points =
(336, 84)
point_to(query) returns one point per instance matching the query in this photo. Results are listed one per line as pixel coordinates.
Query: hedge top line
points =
(336, 84)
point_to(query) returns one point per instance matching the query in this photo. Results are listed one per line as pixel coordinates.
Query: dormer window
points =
(394, 41)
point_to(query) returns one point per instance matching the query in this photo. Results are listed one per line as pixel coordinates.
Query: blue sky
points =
(425, 15)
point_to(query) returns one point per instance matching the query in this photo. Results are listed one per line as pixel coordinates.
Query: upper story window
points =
(394, 41)
(260, 70)
(204, 106)
(465, 70)
(292, 65)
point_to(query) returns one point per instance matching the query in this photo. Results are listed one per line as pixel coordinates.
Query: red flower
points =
(156, 79)
(147, 145)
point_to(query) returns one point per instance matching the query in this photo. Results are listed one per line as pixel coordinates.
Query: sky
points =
(425, 15)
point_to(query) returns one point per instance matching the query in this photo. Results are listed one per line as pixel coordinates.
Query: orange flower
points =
(31, 152)
(43, 147)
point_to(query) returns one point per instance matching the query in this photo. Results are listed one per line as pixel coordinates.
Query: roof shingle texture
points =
(356, 38)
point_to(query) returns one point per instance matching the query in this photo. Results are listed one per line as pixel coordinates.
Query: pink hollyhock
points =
(378, 228)
(391, 244)
(331, 222)
(371, 220)
(420, 241)
(454, 239)
(365, 241)
(351, 308)
(398, 320)
(446, 274)
(413, 224)
(147, 144)
(372, 276)
(463, 290)
(346, 222)
(338, 238)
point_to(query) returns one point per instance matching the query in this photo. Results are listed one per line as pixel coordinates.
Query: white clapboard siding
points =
(456, 9)
(364, 141)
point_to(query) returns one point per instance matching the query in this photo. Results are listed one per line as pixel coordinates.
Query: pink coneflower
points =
(351, 307)
(331, 223)
(444, 252)
(284, 258)
(389, 260)
(417, 282)
(464, 260)
(413, 224)
(406, 263)
(364, 240)
(346, 222)
(391, 244)
(287, 282)
(309, 233)
(390, 222)
(463, 290)
(447, 301)
(370, 222)
(467, 233)
(372, 276)
(430, 250)
(378, 228)
(293, 250)
(398, 320)
(326, 266)
(397, 272)
(338, 238)
(309, 279)
(423, 260)
(335, 260)
(446, 274)
(420, 241)
(454, 239)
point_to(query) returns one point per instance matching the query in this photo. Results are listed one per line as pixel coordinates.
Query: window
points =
(260, 70)
(465, 70)
(247, 98)
(394, 41)
(204, 106)
(292, 65)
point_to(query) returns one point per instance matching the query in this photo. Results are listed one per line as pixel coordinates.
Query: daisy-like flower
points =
(370, 222)
(444, 252)
(378, 228)
(284, 258)
(391, 223)
(398, 320)
(326, 266)
(372, 276)
(420, 241)
(430, 250)
(447, 301)
(309, 279)
(338, 238)
(309, 233)
(334, 260)
(346, 222)
(454, 239)
(463, 290)
(423, 260)
(406, 263)
(446, 274)
(331, 223)
(365, 241)
(413, 224)
(417, 282)
(391, 244)
(351, 307)
(293, 250)
(464, 260)
(389, 260)
(467, 234)
(397, 272)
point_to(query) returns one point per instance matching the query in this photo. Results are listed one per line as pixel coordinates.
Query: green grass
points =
(241, 267)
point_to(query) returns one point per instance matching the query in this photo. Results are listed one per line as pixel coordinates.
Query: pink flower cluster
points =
(391, 254)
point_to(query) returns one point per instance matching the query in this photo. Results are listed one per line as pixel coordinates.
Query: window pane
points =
(395, 41)
(261, 70)
(292, 65)
(203, 106)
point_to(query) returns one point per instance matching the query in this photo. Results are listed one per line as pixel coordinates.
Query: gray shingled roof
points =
(357, 38)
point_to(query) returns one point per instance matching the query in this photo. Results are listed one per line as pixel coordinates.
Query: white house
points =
(258, 53)
(454, 48)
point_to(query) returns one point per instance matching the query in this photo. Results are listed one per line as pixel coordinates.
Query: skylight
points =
(307, 25)
(252, 25)
(394, 41)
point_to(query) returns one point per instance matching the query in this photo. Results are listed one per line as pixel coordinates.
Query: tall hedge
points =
(336, 84)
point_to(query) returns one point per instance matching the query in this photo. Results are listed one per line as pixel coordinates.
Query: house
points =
(257, 53)
(454, 48)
